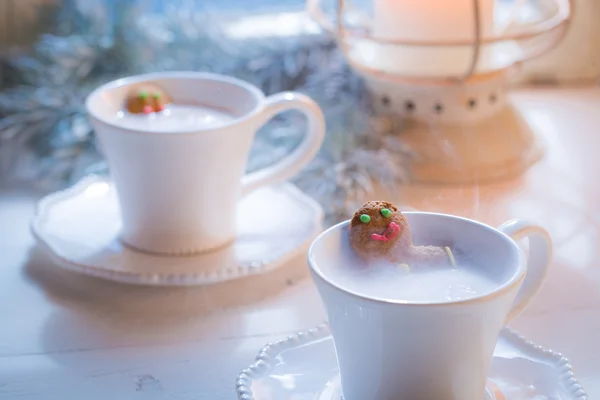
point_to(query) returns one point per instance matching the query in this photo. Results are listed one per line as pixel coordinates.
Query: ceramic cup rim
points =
(516, 278)
(252, 90)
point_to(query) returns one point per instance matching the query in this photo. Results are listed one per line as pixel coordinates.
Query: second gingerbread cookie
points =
(146, 99)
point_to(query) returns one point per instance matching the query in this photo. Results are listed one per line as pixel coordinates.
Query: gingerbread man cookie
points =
(146, 99)
(378, 230)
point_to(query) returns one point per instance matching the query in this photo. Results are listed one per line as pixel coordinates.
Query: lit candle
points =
(430, 20)
(425, 21)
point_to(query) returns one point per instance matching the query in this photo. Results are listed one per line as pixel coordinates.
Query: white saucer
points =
(304, 367)
(80, 228)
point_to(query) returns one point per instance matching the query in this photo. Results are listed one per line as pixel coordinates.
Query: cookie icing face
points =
(377, 228)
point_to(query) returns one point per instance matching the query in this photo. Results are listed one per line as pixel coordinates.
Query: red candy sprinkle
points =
(381, 238)
(160, 107)
(147, 109)
(390, 232)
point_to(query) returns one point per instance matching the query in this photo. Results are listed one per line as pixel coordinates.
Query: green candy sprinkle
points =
(365, 219)
(143, 95)
(156, 96)
(386, 212)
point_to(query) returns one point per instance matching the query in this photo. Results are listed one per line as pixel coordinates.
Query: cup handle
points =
(303, 154)
(540, 254)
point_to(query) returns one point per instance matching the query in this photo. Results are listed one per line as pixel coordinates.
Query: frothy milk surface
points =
(382, 279)
(174, 118)
(485, 262)
(421, 284)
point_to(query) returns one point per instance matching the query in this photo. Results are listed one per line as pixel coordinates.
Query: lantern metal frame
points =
(454, 142)
(556, 22)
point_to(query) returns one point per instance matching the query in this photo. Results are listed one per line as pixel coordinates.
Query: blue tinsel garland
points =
(45, 137)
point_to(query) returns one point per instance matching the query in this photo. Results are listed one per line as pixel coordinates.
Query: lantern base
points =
(459, 132)
(500, 147)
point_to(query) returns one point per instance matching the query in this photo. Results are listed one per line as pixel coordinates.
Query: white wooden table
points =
(64, 336)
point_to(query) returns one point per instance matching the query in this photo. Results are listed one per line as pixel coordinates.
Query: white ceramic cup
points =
(396, 350)
(178, 191)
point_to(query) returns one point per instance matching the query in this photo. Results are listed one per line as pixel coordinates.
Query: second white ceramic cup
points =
(178, 191)
(390, 349)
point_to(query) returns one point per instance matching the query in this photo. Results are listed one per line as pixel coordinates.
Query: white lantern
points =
(444, 66)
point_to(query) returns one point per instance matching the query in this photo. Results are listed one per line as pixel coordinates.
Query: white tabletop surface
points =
(64, 336)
